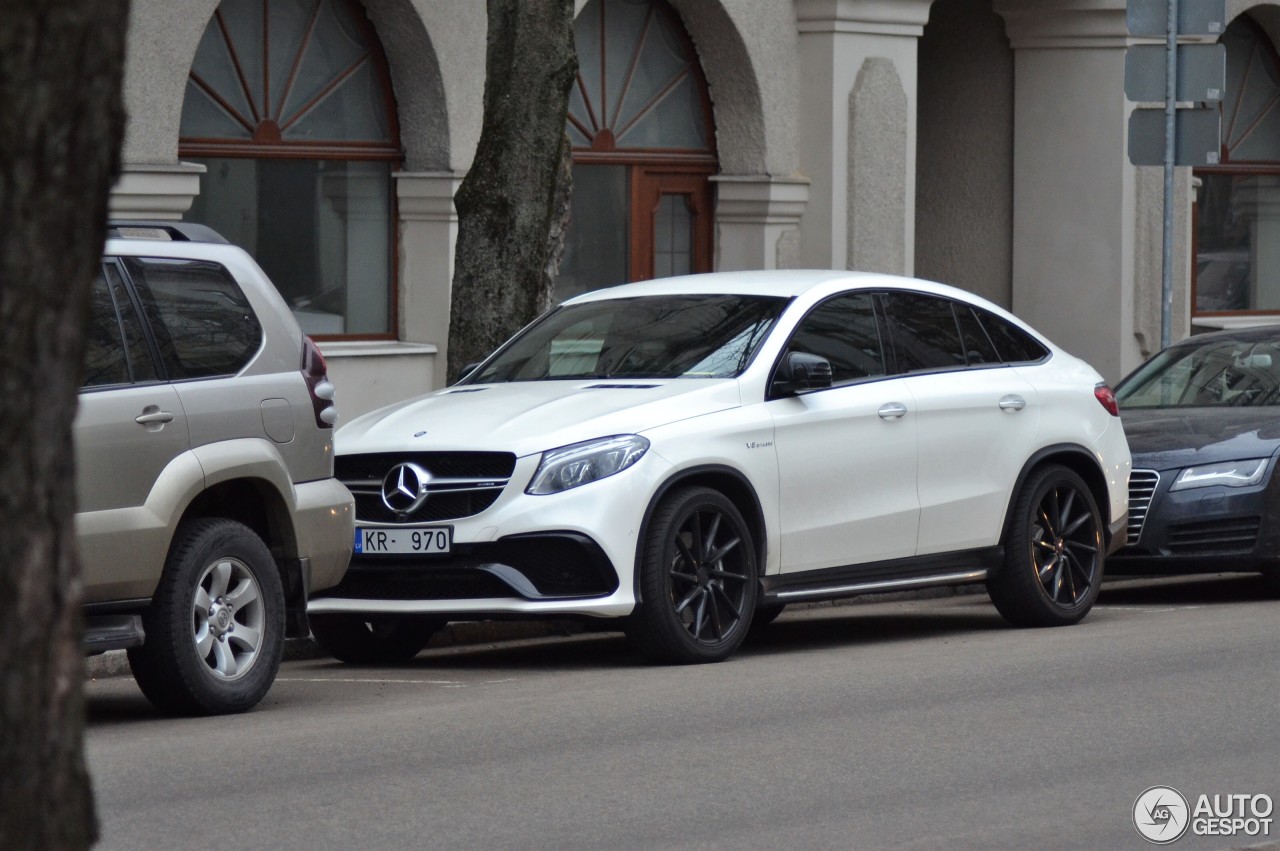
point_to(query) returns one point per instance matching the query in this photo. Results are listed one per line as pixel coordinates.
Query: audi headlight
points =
(581, 463)
(1231, 474)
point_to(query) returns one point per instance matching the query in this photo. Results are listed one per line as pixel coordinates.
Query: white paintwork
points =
(836, 482)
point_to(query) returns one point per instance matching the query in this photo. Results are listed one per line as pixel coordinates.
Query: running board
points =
(898, 575)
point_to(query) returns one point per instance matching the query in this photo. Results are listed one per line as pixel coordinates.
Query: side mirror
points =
(800, 371)
(467, 370)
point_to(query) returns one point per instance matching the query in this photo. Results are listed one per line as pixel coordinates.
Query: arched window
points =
(1237, 252)
(643, 148)
(289, 106)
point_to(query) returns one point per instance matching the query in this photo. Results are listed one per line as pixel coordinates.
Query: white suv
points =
(207, 508)
(692, 454)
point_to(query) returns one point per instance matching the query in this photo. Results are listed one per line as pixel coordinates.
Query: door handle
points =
(1012, 402)
(152, 415)
(892, 411)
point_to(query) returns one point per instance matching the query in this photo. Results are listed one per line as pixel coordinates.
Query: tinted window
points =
(202, 322)
(924, 332)
(1013, 344)
(977, 346)
(660, 336)
(844, 331)
(104, 358)
(116, 348)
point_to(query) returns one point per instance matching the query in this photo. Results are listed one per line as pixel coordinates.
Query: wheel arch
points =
(1075, 458)
(254, 502)
(732, 483)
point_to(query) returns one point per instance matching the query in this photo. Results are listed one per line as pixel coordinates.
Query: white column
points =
(428, 231)
(758, 220)
(1086, 238)
(858, 139)
(155, 191)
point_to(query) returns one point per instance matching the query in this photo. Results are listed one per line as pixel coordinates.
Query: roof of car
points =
(1255, 334)
(778, 282)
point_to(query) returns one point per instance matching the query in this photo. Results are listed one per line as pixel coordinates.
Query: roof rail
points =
(171, 231)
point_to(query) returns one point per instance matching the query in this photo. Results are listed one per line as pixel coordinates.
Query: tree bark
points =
(61, 63)
(514, 200)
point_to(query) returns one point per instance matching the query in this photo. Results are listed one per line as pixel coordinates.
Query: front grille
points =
(1233, 535)
(1142, 487)
(462, 483)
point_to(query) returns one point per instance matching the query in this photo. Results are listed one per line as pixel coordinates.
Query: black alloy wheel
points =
(698, 579)
(1053, 554)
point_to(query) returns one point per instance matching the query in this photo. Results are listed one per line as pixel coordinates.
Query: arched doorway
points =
(643, 147)
(1237, 230)
(289, 106)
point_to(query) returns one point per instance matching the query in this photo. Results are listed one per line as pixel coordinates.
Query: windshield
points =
(1222, 373)
(661, 336)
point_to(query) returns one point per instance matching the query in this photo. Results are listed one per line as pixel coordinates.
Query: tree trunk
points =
(513, 201)
(61, 63)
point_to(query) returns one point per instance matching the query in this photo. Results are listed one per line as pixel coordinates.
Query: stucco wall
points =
(964, 150)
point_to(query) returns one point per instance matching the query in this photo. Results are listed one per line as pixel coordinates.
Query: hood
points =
(1165, 438)
(532, 416)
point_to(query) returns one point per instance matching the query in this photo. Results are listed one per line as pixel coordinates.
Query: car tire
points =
(1054, 552)
(367, 640)
(1271, 583)
(215, 627)
(697, 580)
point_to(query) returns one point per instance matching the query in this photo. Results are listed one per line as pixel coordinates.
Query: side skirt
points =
(895, 575)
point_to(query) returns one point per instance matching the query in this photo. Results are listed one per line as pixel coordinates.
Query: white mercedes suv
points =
(689, 455)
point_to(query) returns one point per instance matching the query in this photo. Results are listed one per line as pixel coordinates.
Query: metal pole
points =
(1170, 156)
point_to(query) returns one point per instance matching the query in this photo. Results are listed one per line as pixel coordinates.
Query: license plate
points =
(404, 540)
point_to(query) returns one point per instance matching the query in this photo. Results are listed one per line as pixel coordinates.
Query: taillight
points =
(316, 373)
(1107, 399)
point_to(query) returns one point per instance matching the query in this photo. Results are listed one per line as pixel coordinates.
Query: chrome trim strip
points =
(971, 576)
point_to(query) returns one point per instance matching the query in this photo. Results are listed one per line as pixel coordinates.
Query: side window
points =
(202, 322)
(925, 335)
(845, 332)
(977, 346)
(116, 349)
(1013, 344)
(104, 357)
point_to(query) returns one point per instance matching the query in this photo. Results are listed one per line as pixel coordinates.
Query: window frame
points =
(266, 144)
(1231, 167)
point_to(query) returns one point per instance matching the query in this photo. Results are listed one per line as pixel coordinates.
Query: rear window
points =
(1013, 344)
(202, 322)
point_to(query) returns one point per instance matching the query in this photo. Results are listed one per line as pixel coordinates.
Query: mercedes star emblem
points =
(405, 488)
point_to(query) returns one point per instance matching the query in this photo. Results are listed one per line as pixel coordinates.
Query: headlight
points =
(1231, 474)
(581, 463)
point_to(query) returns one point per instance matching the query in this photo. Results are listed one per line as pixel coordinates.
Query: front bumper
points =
(570, 553)
(1201, 529)
(541, 567)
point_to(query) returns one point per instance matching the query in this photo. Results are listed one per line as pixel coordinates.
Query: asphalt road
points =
(914, 724)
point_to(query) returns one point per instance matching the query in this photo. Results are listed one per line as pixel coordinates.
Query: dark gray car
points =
(1203, 422)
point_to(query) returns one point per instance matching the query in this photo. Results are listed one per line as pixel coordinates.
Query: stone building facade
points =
(977, 142)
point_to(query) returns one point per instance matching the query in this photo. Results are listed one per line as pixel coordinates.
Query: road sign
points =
(1202, 72)
(1149, 18)
(1198, 140)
